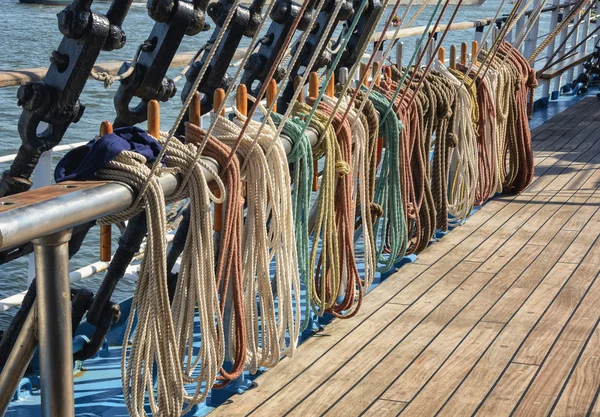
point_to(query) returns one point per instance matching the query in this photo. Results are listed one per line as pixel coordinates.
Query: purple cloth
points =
(82, 163)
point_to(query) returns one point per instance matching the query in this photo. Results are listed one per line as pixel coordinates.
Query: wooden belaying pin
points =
(376, 73)
(241, 99)
(271, 93)
(313, 85)
(297, 86)
(105, 231)
(154, 118)
(474, 50)
(364, 70)
(387, 70)
(194, 111)
(330, 90)
(453, 57)
(219, 96)
(442, 55)
(463, 54)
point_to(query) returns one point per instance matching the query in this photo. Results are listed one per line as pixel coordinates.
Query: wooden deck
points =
(499, 318)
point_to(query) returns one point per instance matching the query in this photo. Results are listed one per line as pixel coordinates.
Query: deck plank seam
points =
(593, 404)
(570, 374)
(529, 332)
(423, 272)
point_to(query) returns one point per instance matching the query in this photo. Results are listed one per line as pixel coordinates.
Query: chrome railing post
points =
(54, 324)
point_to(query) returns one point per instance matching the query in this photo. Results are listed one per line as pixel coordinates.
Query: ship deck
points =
(498, 318)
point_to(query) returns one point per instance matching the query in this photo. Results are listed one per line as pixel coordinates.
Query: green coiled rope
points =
(302, 159)
(388, 192)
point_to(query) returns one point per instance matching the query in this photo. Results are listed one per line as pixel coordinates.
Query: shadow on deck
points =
(499, 318)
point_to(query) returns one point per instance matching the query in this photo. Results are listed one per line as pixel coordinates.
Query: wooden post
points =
(330, 90)
(271, 93)
(364, 69)
(388, 72)
(376, 73)
(463, 54)
(453, 57)
(313, 85)
(195, 113)
(297, 86)
(474, 50)
(105, 231)
(219, 96)
(442, 54)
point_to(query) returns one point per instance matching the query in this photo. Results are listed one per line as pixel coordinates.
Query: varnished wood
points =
(442, 55)
(106, 230)
(271, 93)
(154, 118)
(195, 110)
(463, 53)
(313, 85)
(499, 317)
(241, 99)
(376, 73)
(297, 86)
(363, 73)
(219, 97)
(474, 50)
(330, 91)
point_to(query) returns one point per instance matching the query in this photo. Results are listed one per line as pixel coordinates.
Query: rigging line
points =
(572, 52)
(524, 31)
(491, 55)
(418, 13)
(306, 73)
(189, 98)
(531, 21)
(357, 66)
(429, 64)
(475, 59)
(562, 25)
(564, 42)
(269, 77)
(372, 58)
(370, 62)
(290, 67)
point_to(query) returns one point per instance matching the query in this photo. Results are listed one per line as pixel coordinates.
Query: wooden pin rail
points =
(105, 231)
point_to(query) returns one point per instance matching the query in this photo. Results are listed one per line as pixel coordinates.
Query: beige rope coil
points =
(268, 234)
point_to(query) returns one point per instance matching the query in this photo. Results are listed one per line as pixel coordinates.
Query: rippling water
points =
(29, 33)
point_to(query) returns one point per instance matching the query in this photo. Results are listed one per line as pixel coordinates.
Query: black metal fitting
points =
(55, 99)
(110, 315)
(360, 36)
(245, 22)
(283, 14)
(309, 49)
(148, 81)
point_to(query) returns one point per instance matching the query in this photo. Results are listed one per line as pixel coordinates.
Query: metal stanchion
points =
(54, 324)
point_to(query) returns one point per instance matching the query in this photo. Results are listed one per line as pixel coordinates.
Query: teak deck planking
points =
(498, 318)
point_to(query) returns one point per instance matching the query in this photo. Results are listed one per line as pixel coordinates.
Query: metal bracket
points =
(149, 81)
(310, 47)
(283, 15)
(244, 23)
(55, 99)
(361, 35)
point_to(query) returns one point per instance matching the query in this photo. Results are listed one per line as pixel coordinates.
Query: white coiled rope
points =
(268, 235)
